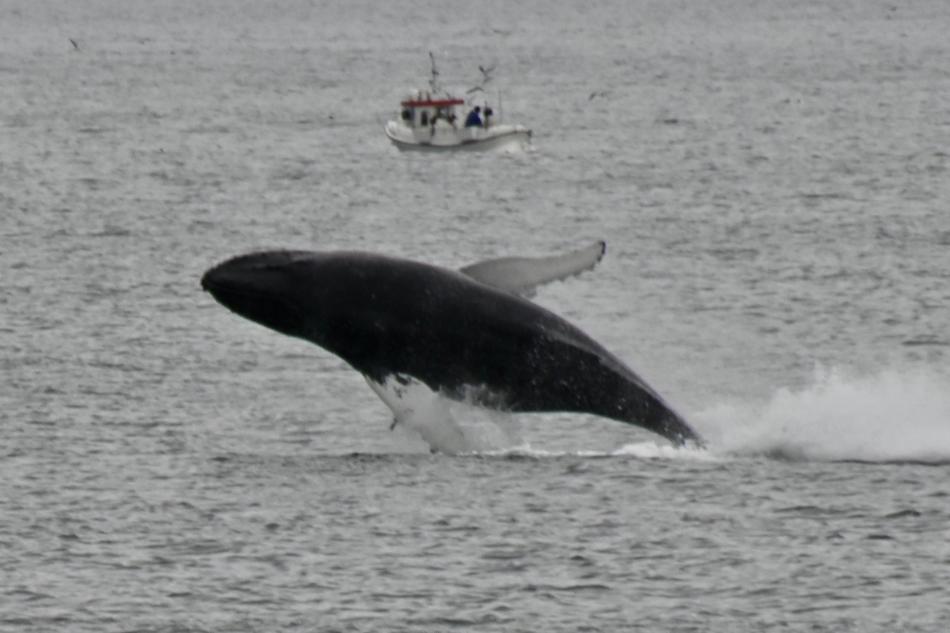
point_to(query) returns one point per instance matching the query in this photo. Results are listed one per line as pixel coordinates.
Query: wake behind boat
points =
(429, 120)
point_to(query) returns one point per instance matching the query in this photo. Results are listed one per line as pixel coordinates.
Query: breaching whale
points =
(466, 335)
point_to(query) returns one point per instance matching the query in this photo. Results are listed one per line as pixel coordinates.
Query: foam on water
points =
(637, 450)
(663, 450)
(889, 416)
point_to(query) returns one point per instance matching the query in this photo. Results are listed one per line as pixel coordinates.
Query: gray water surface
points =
(771, 179)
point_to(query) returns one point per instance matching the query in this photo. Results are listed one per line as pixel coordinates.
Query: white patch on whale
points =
(434, 418)
(418, 409)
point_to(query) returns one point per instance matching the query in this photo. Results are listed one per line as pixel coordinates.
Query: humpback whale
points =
(466, 335)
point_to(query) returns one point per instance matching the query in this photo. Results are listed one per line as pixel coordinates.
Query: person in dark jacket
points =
(474, 118)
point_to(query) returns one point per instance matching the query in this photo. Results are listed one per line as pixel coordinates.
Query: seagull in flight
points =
(486, 77)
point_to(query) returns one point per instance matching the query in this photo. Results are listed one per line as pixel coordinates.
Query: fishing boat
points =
(432, 120)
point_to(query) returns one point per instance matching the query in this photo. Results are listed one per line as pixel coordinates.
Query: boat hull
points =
(499, 138)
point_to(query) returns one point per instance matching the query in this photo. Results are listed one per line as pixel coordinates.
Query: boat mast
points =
(434, 81)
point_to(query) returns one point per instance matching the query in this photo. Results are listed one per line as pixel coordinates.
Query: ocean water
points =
(771, 179)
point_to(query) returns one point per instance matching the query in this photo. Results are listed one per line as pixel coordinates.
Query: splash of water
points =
(891, 416)
(639, 450)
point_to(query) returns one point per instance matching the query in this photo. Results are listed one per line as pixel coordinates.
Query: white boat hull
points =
(447, 138)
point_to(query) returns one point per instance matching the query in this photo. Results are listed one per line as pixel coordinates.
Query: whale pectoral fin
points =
(522, 275)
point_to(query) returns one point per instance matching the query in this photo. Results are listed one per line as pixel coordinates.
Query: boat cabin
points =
(423, 110)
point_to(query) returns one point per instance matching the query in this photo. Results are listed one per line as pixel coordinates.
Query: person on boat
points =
(474, 118)
(488, 114)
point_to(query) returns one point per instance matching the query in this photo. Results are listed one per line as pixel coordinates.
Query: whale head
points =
(273, 288)
(328, 298)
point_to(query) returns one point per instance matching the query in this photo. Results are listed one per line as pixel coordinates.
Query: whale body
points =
(397, 320)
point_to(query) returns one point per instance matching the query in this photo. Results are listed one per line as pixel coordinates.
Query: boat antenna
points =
(434, 81)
